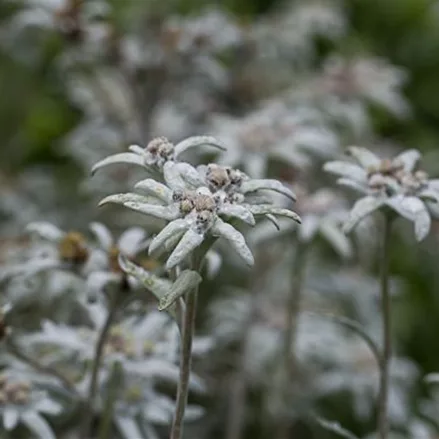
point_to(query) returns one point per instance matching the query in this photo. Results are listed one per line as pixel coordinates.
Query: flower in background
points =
(392, 184)
(21, 402)
(273, 132)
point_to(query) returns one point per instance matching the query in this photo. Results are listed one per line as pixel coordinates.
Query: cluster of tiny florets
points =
(391, 177)
(14, 392)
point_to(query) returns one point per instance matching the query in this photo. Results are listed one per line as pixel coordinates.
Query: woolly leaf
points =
(195, 141)
(364, 157)
(235, 238)
(156, 189)
(173, 228)
(124, 157)
(190, 240)
(362, 208)
(346, 170)
(267, 184)
(237, 211)
(187, 281)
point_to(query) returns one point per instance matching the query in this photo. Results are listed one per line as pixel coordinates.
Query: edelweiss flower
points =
(22, 403)
(273, 132)
(394, 184)
(198, 203)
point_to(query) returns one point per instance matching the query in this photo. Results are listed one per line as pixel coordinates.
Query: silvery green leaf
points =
(102, 234)
(193, 413)
(29, 269)
(273, 220)
(48, 406)
(157, 414)
(173, 177)
(413, 209)
(173, 228)
(429, 195)
(433, 184)
(158, 287)
(237, 211)
(190, 240)
(352, 185)
(128, 427)
(266, 184)
(264, 209)
(10, 418)
(346, 170)
(362, 208)
(235, 238)
(190, 174)
(432, 378)
(137, 202)
(38, 425)
(45, 230)
(308, 228)
(409, 159)
(213, 263)
(336, 238)
(156, 189)
(334, 427)
(364, 157)
(123, 198)
(195, 141)
(186, 282)
(132, 240)
(124, 157)
(137, 149)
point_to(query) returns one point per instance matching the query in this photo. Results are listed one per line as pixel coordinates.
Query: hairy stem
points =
(290, 336)
(187, 335)
(96, 365)
(383, 422)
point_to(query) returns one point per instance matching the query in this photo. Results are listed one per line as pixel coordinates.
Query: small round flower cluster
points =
(391, 176)
(14, 392)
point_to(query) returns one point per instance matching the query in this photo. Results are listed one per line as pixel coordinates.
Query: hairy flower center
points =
(72, 248)
(14, 392)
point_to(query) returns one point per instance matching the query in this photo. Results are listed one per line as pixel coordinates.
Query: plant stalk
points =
(185, 356)
(289, 360)
(383, 422)
(96, 365)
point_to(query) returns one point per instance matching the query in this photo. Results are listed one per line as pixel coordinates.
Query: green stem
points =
(96, 365)
(383, 422)
(188, 328)
(289, 360)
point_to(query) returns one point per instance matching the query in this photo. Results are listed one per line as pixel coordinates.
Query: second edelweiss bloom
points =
(392, 184)
(199, 203)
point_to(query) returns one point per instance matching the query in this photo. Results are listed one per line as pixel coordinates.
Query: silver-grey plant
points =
(199, 205)
(396, 188)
